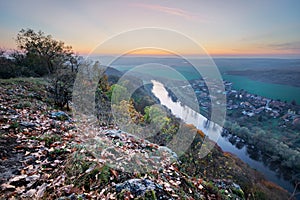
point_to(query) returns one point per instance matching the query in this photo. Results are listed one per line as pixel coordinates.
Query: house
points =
(268, 109)
(259, 110)
(250, 114)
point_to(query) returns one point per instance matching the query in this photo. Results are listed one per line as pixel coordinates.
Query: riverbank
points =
(199, 121)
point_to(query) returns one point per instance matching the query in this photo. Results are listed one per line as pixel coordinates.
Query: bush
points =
(60, 87)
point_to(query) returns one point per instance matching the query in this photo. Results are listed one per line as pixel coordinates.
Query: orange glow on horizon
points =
(214, 52)
(157, 52)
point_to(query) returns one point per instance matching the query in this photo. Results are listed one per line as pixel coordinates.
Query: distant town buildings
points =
(249, 105)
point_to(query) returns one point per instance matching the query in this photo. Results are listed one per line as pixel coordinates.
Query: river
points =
(192, 117)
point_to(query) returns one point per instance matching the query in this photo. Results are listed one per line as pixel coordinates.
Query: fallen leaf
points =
(114, 172)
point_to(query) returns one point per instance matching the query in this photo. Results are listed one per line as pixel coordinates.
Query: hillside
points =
(44, 157)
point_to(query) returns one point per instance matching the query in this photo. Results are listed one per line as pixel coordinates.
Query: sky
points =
(234, 28)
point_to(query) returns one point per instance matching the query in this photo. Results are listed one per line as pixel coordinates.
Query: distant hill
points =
(113, 72)
(270, 70)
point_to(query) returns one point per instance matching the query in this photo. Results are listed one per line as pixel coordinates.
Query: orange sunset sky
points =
(259, 28)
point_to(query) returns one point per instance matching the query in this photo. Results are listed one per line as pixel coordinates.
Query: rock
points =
(28, 124)
(9, 187)
(72, 197)
(236, 186)
(162, 149)
(13, 112)
(18, 180)
(32, 179)
(29, 193)
(231, 189)
(13, 116)
(41, 190)
(60, 115)
(114, 134)
(137, 187)
(10, 92)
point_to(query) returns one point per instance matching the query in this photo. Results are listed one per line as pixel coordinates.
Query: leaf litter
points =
(44, 157)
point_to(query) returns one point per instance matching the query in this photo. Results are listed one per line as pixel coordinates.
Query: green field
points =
(270, 90)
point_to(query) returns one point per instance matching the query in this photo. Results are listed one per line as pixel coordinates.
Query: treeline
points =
(275, 149)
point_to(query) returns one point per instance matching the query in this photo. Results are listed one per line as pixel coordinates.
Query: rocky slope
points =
(43, 156)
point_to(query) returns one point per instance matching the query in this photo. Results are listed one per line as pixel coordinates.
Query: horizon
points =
(279, 57)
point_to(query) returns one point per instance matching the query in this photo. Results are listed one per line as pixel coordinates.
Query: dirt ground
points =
(10, 158)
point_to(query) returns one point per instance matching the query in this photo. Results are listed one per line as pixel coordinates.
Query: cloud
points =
(253, 38)
(294, 46)
(168, 10)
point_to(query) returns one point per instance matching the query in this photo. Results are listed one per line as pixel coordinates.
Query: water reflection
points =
(227, 142)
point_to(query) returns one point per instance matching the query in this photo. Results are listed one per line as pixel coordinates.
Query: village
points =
(249, 105)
